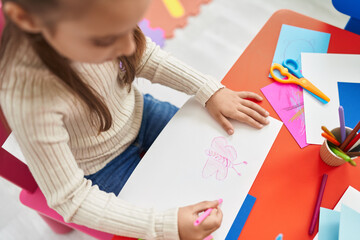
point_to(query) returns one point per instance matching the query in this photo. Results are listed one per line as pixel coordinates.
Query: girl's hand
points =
(187, 216)
(226, 103)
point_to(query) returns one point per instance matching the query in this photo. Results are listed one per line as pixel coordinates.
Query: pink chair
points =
(19, 174)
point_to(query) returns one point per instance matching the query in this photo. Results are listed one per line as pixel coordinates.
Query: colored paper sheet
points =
(349, 224)
(325, 71)
(12, 146)
(350, 198)
(241, 218)
(349, 95)
(194, 159)
(294, 40)
(287, 101)
(329, 224)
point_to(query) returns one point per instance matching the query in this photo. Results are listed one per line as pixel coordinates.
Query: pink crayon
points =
(205, 214)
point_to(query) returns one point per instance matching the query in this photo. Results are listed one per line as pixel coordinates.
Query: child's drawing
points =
(293, 98)
(287, 100)
(293, 48)
(221, 158)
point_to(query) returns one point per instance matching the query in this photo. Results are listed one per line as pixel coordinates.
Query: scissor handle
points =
(293, 67)
(284, 72)
(303, 82)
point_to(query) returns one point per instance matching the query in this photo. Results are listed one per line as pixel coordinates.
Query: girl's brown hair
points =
(61, 66)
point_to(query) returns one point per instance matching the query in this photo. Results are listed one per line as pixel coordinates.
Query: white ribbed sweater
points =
(61, 145)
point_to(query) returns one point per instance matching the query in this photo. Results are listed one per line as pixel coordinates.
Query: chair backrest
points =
(352, 9)
(12, 168)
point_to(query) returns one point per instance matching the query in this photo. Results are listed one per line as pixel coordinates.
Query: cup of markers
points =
(335, 152)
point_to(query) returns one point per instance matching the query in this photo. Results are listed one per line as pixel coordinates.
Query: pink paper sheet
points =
(287, 101)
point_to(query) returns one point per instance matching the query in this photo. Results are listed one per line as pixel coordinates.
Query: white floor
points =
(211, 42)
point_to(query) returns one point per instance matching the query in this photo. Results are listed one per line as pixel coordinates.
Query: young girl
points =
(81, 124)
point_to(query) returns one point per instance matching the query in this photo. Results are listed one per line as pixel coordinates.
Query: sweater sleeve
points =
(160, 67)
(37, 120)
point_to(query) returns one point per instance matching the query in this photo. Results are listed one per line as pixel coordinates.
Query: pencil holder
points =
(327, 155)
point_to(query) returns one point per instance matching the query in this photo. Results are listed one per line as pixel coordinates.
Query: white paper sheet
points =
(324, 71)
(350, 198)
(181, 167)
(12, 146)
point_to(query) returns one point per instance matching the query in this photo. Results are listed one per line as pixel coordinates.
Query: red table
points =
(287, 185)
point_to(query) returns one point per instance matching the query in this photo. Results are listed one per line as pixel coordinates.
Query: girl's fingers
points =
(211, 222)
(225, 123)
(255, 107)
(203, 206)
(237, 107)
(252, 95)
(245, 118)
(252, 114)
(214, 220)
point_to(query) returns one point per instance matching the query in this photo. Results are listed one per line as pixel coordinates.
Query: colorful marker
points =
(210, 237)
(342, 124)
(330, 139)
(350, 136)
(327, 131)
(337, 151)
(205, 214)
(355, 148)
(353, 154)
(352, 143)
(317, 206)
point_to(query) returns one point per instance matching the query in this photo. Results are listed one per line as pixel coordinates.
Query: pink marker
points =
(210, 237)
(205, 214)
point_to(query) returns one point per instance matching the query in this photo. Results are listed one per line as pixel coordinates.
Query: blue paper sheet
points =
(241, 218)
(294, 40)
(349, 97)
(349, 224)
(329, 224)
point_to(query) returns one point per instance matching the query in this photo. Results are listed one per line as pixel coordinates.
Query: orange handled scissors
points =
(292, 66)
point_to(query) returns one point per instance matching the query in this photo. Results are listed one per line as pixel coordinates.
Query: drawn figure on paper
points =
(296, 47)
(221, 158)
(295, 102)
